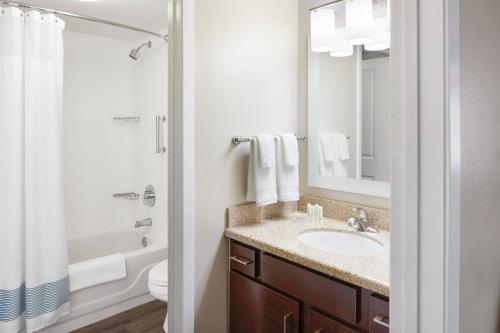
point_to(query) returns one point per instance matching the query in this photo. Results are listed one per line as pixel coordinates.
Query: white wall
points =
(151, 84)
(480, 222)
(103, 156)
(98, 152)
(246, 83)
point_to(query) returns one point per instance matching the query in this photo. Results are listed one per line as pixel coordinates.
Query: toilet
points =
(158, 283)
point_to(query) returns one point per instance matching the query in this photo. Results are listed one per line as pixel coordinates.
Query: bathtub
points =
(95, 303)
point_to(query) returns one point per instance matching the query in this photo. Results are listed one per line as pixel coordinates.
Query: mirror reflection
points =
(349, 97)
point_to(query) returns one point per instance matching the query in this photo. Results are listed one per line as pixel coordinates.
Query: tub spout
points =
(144, 223)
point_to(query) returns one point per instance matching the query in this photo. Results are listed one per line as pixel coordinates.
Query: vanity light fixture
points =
(341, 48)
(381, 35)
(322, 29)
(359, 21)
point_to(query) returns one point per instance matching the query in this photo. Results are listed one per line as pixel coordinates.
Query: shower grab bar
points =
(130, 118)
(128, 196)
(160, 147)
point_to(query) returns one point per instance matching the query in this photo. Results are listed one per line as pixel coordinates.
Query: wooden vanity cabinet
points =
(248, 299)
(270, 294)
(319, 323)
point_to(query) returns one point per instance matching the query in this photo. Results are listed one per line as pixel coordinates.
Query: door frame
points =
(181, 166)
(425, 249)
(425, 228)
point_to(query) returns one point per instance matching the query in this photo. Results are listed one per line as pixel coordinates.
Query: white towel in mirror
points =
(342, 146)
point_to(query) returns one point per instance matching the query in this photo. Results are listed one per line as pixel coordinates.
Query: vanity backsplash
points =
(338, 210)
(378, 218)
(250, 213)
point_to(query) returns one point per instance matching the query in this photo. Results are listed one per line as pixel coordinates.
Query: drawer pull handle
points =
(286, 319)
(380, 320)
(241, 260)
(318, 331)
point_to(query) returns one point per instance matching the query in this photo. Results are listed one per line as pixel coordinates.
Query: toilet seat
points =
(158, 281)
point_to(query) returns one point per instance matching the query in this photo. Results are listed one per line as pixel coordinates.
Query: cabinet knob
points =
(381, 321)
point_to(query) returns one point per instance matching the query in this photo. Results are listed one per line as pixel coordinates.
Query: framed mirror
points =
(349, 97)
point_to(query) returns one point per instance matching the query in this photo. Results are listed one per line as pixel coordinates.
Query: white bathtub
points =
(95, 303)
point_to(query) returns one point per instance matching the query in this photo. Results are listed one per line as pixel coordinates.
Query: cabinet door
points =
(257, 309)
(318, 323)
(379, 314)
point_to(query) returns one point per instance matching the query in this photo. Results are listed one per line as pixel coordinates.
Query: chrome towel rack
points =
(237, 139)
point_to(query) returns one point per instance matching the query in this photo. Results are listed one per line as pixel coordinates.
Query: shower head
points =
(135, 53)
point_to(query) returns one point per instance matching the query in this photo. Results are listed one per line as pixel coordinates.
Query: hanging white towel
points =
(97, 271)
(287, 175)
(266, 151)
(261, 183)
(342, 146)
(290, 148)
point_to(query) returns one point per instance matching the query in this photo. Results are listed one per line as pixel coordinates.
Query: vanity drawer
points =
(329, 295)
(379, 314)
(242, 259)
(318, 323)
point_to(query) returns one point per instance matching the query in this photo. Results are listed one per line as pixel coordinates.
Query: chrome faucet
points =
(144, 223)
(359, 222)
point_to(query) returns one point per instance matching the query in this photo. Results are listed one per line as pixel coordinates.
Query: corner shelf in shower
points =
(130, 119)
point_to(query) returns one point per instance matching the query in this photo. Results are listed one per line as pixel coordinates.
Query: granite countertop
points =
(279, 236)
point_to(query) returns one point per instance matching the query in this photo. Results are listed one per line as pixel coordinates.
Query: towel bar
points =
(237, 139)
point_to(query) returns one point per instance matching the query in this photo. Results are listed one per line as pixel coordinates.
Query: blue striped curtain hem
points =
(36, 301)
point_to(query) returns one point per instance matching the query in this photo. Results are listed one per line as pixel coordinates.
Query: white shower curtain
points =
(34, 284)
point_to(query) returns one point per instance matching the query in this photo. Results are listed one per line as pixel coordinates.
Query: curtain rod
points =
(84, 17)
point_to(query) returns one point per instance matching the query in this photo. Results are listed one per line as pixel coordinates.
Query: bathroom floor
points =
(147, 318)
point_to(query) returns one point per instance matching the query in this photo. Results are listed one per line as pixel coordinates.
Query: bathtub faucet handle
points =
(144, 223)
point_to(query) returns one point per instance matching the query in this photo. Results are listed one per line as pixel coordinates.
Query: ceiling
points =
(145, 14)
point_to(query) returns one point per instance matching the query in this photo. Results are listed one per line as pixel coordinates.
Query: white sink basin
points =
(340, 242)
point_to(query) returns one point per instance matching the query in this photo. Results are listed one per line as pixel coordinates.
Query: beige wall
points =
(480, 228)
(246, 83)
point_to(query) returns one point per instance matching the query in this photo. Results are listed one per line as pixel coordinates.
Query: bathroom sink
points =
(340, 242)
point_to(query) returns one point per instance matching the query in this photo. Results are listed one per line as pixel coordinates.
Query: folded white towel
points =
(97, 271)
(265, 147)
(261, 184)
(290, 148)
(342, 145)
(287, 175)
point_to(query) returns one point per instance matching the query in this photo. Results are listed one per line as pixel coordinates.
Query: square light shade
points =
(322, 29)
(341, 48)
(359, 21)
(381, 35)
